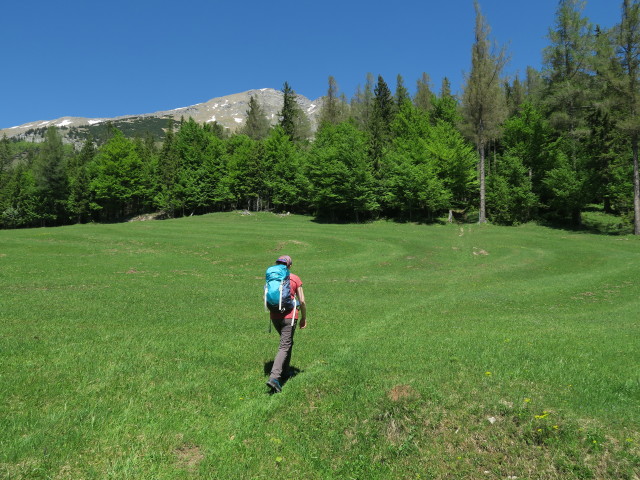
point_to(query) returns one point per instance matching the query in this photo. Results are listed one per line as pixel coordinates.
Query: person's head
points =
(285, 260)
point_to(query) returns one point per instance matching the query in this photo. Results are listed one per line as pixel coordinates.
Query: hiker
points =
(285, 323)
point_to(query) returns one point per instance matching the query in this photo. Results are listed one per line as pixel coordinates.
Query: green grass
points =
(138, 350)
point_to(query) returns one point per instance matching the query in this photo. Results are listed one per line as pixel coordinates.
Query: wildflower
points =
(527, 400)
(487, 373)
(555, 427)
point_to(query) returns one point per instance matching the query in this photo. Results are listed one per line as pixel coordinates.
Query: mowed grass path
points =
(138, 351)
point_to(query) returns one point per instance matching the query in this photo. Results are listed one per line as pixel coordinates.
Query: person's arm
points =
(303, 308)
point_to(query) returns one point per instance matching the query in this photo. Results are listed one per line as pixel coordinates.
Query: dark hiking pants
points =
(283, 357)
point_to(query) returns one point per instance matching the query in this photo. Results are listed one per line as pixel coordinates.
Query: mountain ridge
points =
(229, 111)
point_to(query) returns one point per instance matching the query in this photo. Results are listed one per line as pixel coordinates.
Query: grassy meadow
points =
(139, 351)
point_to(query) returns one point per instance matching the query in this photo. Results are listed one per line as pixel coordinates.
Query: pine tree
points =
(292, 119)
(424, 96)
(515, 92)
(5, 160)
(333, 107)
(77, 173)
(627, 87)
(167, 175)
(50, 177)
(534, 86)
(445, 88)
(567, 63)
(445, 106)
(287, 114)
(362, 104)
(483, 99)
(380, 121)
(257, 125)
(402, 94)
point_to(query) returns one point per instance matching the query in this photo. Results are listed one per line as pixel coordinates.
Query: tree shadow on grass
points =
(293, 371)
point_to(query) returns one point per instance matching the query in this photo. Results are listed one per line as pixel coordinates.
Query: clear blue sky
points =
(103, 59)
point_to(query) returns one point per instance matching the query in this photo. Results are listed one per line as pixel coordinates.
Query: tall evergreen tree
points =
(483, 100)
(362, 104)
(50, 177)
(333, 106)
(293, 120)
(515, 95)
(257, 125)
(534, 86)
(167, 175)
(424, 97)
(287, 114)
(446, 105)
(5, 157)
(567, 69)
(402, 94)
(380, 121)
(627, 87)
(78, 175)
(445, 88)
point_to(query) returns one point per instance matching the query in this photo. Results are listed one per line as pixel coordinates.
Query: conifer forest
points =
(546, 145)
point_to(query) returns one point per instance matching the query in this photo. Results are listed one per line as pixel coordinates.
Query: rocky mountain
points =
(229, 111)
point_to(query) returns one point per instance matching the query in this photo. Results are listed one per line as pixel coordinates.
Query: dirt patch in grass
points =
(283, 244)
(402, 392)
(189, 456)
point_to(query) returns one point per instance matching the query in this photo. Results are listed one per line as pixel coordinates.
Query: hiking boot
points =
(274, 385)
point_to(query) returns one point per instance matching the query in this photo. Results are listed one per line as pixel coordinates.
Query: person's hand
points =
(303, 322)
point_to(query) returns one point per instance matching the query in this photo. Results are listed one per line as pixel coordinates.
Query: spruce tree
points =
(293, 120)
(483, 99)
(534, 86)
(77, 173)
(402, 94)
(362, 104)
(257, 125)
(567, 71)
(627, 88)
(5, 158)
(380, 121)
(424, 96)
(515, 92)
(287, 114)
(50, 177)
(333, 106)
(445, 88)
(167, 175)
(445, 106)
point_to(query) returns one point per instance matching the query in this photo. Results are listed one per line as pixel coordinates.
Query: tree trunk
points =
(636, 187)
(483, 211)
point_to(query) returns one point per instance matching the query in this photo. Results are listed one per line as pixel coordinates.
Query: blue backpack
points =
(277, 289)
